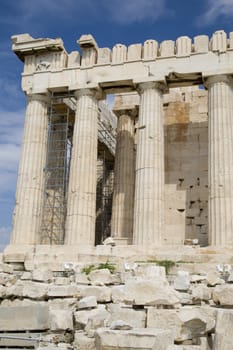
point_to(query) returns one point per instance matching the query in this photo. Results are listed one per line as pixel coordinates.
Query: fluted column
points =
(30, 186)
(81, 213)
(220, 112)
(124, 179)
(149, 184)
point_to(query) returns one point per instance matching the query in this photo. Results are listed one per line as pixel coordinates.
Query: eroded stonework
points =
(168, 180)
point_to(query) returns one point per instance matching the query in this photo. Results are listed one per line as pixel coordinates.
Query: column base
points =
(16, 253)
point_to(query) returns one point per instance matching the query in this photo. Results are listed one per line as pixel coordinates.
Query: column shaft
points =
(80, 223)
(149, 184)
(30, 186)
(124, 179)
(220, 160)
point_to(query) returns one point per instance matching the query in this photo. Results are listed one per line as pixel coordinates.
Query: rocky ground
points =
(116, 306)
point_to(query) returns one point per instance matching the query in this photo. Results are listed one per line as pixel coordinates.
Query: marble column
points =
(220, 113)
(124, 179)
(30, 186)
(81, 206)
(149, 182)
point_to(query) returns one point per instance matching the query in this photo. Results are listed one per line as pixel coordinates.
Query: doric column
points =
(220, 112)
(81, 213)
(124, 179)
(149, 183)
(30, 186)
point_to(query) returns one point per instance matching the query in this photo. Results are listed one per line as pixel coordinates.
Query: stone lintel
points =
(127, 102)
(24, 44)
(174, 79)
(219, 72)
(124, 77)
(158, 78)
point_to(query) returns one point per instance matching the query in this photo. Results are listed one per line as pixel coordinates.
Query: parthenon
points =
(164, 176)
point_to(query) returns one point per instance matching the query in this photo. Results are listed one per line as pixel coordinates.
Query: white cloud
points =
(11, 126)
(119, 11)
(131, 11)
(4, 236)
(216, 9)
(9, 156)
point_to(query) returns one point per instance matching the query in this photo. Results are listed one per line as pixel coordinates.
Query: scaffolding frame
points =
(59, 146)
(61, 116)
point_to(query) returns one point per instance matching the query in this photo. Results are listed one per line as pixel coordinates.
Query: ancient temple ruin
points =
(156, 171)
(108, 200)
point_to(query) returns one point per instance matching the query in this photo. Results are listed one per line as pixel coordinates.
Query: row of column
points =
(138, 215)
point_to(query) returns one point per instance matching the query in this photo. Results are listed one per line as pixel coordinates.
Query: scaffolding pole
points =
(57, 170)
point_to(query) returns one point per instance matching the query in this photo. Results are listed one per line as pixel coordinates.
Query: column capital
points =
(219, 78)
(93, 92)
(38, 97)
(150, 85)
(131, 112)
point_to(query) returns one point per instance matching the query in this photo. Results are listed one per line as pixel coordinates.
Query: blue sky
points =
(110, 22)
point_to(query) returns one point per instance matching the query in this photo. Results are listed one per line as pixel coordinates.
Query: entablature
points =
(179, 63)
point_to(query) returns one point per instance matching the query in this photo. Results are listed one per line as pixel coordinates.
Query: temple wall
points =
(186, 165)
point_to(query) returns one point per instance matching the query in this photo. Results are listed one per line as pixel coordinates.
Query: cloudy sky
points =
(110, 22)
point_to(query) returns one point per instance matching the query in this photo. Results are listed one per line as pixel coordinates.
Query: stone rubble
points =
(52, 310)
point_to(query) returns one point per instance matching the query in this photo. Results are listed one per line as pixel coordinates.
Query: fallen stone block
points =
(87, 302)
(21, 318)
(182, 281)
(140, 291)
(136, 339)
(95, 322)
(7, 268)
(186, 323)
(19, 339)
(27, 275)
(185, 298)
(197, 278)
(61, 320)
(7, 279)
(103, 294)
(150, 271)
(61, 281)
(82, 342)
(200, 293)
(55, 291)
(34, 290)
(136, 318)
(82, 316)
(27, 289)
(63, 303)
(214, 279)
(223, 330)
(100, 277)
(42, 275)
(81, 278)
(223, 295)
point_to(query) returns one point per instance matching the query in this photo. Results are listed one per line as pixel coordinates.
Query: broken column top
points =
(87, 41)
(25, 44)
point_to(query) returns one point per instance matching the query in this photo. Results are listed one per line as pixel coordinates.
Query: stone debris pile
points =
(104, 307)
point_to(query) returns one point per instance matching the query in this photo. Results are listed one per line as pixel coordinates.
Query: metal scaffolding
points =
(60, 132)
(60, 129)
